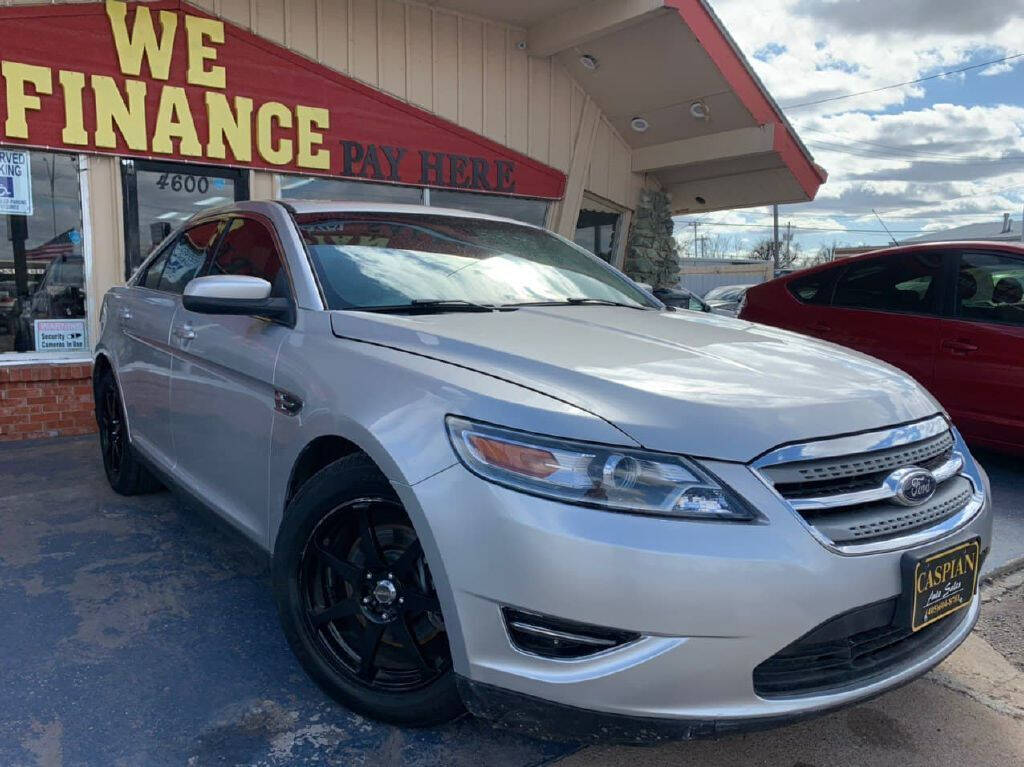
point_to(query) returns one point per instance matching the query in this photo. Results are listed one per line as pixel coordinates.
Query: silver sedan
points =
(494, 474)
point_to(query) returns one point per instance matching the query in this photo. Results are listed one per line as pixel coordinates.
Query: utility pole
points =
(775, 237)
(1022, 225)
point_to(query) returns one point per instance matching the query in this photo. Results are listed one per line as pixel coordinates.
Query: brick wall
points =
(45, 400)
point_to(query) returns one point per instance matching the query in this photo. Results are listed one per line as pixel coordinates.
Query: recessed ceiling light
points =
(639, 124)
(588, 62)
(699, 110)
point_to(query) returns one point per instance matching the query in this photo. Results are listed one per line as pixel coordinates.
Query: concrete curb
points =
(1011, 567)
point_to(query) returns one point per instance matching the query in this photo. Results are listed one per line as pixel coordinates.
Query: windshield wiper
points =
(430, 305)
(603, 302)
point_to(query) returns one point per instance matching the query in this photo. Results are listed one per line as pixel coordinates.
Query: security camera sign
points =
(60, 336)
(15, 183)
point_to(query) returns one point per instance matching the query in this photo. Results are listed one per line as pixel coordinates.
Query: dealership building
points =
(119, 121)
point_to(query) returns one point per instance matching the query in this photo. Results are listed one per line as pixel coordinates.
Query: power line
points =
(897, 154)
(913, 149)
(968, 68)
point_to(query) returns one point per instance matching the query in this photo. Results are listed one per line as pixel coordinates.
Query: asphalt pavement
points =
(1007, 475)
(140, 631)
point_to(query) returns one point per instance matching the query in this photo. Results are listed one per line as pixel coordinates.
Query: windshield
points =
(379, 260)
(728, 293)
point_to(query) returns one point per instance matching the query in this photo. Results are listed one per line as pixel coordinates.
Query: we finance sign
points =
(165, 80)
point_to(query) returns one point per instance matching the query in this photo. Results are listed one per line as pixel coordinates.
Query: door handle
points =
(185, 332)
(821, 327)
(959, 347)
(124, 313)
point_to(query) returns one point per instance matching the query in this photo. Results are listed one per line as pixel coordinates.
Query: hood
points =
(677, 382)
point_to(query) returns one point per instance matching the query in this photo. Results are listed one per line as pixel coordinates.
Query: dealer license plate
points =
(941, 583)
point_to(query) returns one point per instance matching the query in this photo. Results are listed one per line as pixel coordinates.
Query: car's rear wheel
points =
(125, 473)
(356, 598)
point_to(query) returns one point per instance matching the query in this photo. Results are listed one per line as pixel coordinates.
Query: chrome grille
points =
(845, 489)
(846, 467)
(876, 520)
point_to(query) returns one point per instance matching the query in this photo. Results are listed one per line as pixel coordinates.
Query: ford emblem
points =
(912, 486)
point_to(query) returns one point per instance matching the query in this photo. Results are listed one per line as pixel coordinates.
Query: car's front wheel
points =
(356, 599)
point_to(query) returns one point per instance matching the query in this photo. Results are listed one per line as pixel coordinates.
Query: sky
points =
(934, 155)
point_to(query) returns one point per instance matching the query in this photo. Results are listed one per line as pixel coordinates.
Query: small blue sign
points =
(6, 186)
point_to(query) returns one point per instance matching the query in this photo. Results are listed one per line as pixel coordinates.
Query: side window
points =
(151, 279)
(990, 288)
(249, 249)
(813, 288)
(186, 256)
(905, 282)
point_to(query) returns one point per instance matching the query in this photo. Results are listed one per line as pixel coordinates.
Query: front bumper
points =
(711, 600)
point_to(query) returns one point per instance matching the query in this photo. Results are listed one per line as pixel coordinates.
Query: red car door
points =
(979, 371)
(889, 307)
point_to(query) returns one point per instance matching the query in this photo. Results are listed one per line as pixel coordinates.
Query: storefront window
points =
(520, 208)
(159, 197)
(42, 270)
(310, 188)
(595, 231)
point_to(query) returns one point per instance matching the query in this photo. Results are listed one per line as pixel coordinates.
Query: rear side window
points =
(249, 249)
(990, 288)
(904, 282)
(813, 288)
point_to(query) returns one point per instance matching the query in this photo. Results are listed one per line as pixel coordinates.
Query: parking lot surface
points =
(142, 631)
(137, 631)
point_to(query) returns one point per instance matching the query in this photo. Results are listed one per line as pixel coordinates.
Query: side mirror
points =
(238, 295)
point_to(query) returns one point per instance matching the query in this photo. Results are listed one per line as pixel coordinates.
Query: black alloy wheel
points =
(111, 425)
(125, 472)
(368, 599)
(357, 601)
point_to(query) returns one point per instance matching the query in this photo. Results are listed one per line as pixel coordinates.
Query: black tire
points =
(125, 472)
(349, 574)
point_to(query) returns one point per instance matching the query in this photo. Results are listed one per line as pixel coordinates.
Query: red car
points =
(950, 314)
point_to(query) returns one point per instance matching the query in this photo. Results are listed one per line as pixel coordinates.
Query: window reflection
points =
(595, 231)
(42, 271)
(380, 260)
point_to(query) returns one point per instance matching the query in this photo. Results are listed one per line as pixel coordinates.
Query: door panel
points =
(980, 364)
(222, 390)
(222, 399)
(144, 314)
(889, 307)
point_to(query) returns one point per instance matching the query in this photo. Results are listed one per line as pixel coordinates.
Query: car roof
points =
(1006, 247)
(307, 207)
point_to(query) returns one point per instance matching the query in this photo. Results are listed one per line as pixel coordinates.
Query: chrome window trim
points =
(881, 440)
(885, 491)
(857, 443)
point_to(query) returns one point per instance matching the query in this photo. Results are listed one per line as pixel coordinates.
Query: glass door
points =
(160, 196)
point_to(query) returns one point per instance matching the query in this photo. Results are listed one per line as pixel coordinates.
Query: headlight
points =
(606, 477)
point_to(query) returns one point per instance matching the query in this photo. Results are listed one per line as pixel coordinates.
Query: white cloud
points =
(938, 166)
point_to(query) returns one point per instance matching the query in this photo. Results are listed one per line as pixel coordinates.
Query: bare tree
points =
(764, 250)
(826, 254)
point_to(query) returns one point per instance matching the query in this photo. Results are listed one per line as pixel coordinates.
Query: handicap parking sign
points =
(15, 183)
